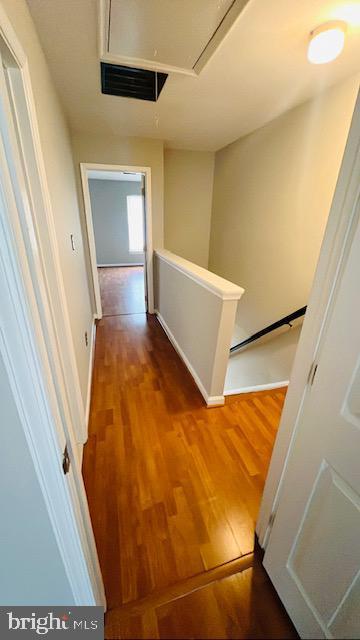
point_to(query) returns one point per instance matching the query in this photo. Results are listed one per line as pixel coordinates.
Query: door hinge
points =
(271, 520)
(268, 529)
(66, 461)
(312, 374)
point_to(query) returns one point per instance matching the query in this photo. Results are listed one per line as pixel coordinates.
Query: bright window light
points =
(327, 42)
(135, 223)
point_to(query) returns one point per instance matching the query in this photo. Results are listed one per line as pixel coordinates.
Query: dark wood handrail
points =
(259, 334)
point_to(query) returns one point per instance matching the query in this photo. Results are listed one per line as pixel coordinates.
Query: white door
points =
(313, 553)
(28, 347)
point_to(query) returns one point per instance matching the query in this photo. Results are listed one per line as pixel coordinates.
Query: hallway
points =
(173, 487)
(122, 290)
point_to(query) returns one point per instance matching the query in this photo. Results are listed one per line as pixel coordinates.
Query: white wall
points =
(188, 187)
(272, 195)
(265, 362)
(31, 566)
(109, 215)
(197, 310)
(59, 167)
(105, 149)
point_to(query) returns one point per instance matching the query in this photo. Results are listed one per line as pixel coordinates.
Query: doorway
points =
(117, 211)
(118, 225)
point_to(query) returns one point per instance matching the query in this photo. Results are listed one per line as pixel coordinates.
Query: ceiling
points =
(259, 71)
(159, 30)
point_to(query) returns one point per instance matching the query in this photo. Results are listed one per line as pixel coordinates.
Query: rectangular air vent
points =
(130, 82)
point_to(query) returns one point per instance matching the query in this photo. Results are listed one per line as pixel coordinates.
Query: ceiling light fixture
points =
(327, 42)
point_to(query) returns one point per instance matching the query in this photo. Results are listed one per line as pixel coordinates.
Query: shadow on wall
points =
(265, 362)
(272, 196)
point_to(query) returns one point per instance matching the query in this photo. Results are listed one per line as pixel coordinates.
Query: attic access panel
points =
(165, 34)
(129, 82)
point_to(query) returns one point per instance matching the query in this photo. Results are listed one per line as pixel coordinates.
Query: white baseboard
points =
(91, 369)
(259, 387)
(211, 401)
(122, 264)
(214, 401)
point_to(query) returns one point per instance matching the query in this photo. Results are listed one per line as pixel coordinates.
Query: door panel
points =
(313, 554)
(332, 515)
(346, 620)
(351, 408)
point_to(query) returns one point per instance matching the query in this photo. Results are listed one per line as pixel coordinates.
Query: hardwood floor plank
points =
(173, 487)
(235, 600)
(240, 606)
(178, 590)
(122, 290)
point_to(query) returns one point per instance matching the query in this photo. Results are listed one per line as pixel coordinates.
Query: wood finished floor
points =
(173, 487)
(122, 290)
(241, 604)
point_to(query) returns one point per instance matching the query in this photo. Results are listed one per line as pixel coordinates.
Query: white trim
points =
(31, 349)
(91, 241)
(122, 264)
(221, 34)
(65, 341)
(259, 387)
(215, 41)
(80, 453)
(324, 285)
(211, 401)
(222, 288)
(31, 377)
(215, 401)
(91, 369)
(85, 167)
(115, 176)
(105, 56)
(11, 40)
(142, 63)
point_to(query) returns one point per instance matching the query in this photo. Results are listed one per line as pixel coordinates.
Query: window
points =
(135, 223)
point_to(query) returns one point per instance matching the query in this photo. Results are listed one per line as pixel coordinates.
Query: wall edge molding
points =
(211, 401)
(258, 387)
(90, 374)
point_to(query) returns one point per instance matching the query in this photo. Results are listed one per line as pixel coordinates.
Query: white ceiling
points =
(259, 71)
(173, 33)
(94, 174)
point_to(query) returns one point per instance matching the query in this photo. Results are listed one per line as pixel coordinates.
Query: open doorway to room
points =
(117, 210)
(117, 222)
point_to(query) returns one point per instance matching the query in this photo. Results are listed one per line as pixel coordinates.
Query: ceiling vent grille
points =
(130, 82)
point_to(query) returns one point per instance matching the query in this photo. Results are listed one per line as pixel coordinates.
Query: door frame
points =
(33, 349)
(21, 90)
(85, 167)
(339, 225)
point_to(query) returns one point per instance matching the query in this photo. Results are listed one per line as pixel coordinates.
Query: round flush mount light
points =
(326, 42)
